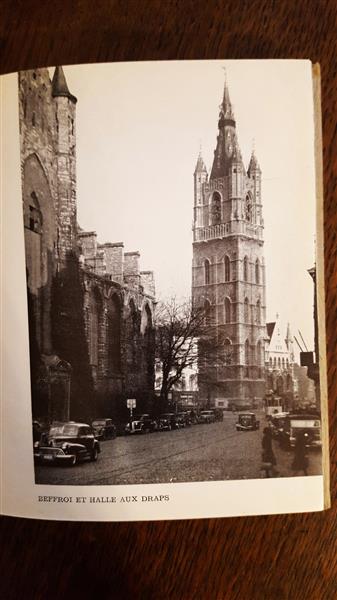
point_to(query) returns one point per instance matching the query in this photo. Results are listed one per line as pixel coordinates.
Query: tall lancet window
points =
(227, 269)
(257, 271)
(207, 269)
(246, 310)
(247, 358)
(258, 312)
(215, 209)
(114, 334)
(245, 268)
(227, 310)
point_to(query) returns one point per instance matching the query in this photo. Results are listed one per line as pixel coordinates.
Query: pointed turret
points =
(200, 178)
(60, 86)
(200, 167)
(253, 165)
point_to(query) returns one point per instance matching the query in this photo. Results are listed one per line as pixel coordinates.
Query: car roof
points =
(241, 414)
(70, 423)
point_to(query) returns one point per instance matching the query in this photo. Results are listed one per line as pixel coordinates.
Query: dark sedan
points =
(67, 443)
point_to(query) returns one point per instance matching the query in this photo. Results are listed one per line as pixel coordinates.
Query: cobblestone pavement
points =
(207, 452)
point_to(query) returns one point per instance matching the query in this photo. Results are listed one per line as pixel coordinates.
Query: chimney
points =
(113, 253)
(131, 269)
(88, 243)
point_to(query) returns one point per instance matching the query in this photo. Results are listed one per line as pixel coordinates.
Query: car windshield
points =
(66, 430)
(99, 422)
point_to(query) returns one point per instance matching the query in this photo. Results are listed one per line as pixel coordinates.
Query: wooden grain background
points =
(258, 558)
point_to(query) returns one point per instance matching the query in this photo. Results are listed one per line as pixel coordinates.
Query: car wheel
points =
(94, 454)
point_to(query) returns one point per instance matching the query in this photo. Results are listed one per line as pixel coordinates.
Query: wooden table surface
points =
(270, 557)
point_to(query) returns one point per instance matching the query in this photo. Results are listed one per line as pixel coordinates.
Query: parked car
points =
(296, 424)
(185, 417)
(168, 421)
(247, 422)
(67, 443)
(141, 424)
(277, 423)
(104, 429)
(206, 416)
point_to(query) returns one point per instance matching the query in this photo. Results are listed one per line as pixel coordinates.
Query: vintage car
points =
(298, 424)
(67, 443)
(141, 424)
(206, 416)
(104, 429)
(185, 418)
(247, 422)
(277, 423)
(168, 421)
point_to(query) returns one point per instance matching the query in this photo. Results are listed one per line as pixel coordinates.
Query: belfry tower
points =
(228, 271)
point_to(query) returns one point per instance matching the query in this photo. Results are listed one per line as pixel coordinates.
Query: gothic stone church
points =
(90, 307)
(228, 271)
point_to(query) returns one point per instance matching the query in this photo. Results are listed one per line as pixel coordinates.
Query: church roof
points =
(60, 86)
(270, 328)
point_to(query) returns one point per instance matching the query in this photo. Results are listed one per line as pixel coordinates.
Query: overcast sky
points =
(139, 127)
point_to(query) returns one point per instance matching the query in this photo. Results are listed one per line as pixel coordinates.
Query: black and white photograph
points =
(170, 228)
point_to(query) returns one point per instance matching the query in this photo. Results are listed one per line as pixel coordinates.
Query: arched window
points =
(132, 335)
(215, 208)
(34, 218)
(289, 383)
(270, 362)
(245, 268)
(274, 361)
(227, 310)
(279, 385)
(227, 269)
(248, 208)
(283, 363)
(246, 310)
(257, 271)
(114, 335)
(279, 362)
(258, 312)
(94, 318)
(207, 268)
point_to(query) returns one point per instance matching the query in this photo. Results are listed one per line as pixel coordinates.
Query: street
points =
(207, 452)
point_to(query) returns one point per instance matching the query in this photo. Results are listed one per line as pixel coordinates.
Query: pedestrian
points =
(301, 461)
(268, 456)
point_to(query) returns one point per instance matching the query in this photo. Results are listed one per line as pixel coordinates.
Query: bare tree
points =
(178, 326)
(187, 337)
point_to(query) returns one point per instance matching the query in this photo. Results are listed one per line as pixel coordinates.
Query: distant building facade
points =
(279, 362)
(90, 307)
(228, 271)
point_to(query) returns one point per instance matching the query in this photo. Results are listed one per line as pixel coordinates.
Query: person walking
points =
(268, 456)
(301, 461)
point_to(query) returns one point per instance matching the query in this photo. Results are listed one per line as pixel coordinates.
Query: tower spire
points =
(227, 149)
(226, 107)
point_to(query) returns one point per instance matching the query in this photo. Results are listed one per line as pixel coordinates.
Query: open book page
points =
(163, 346)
